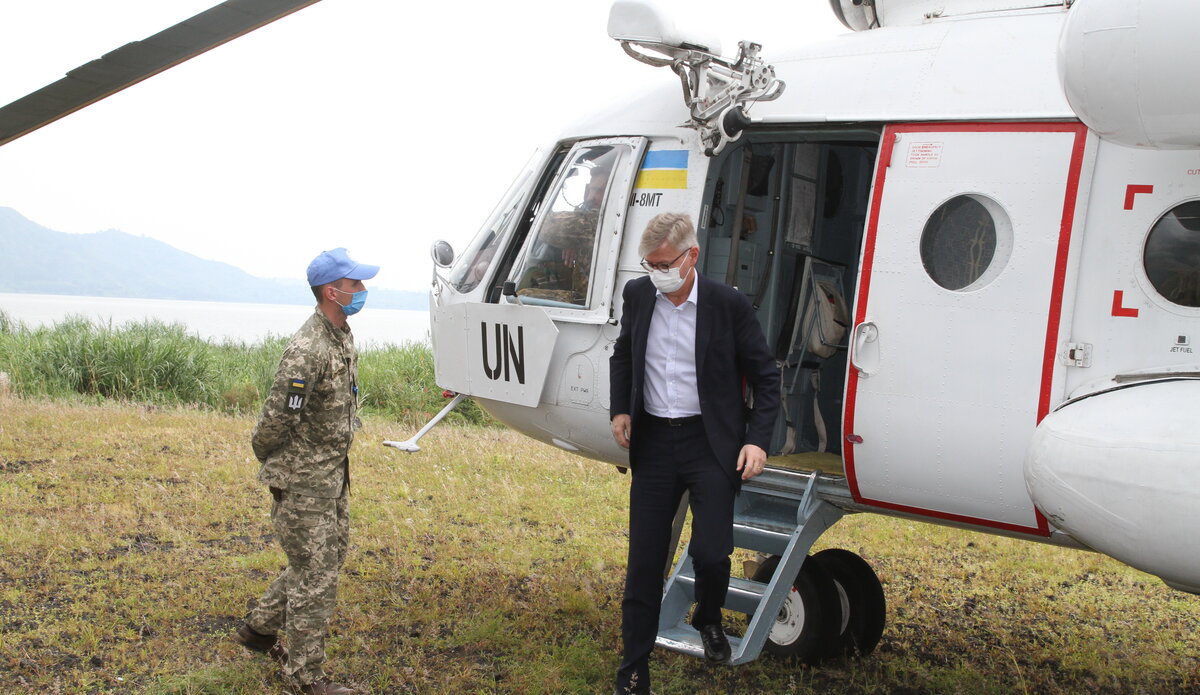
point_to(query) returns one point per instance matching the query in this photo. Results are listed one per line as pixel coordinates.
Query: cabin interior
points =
(797, 204)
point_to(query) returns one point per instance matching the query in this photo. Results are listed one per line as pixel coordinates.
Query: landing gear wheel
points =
(810, 619)
(861, 595)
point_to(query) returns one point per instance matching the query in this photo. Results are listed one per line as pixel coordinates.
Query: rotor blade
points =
(136, 61)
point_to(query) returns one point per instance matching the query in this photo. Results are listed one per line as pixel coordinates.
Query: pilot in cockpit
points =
(562, 253)
(593, 195)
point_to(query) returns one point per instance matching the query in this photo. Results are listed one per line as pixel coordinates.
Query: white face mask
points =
(667, 281)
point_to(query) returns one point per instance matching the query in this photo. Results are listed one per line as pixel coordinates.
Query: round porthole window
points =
(966, 242)
(1172, 254)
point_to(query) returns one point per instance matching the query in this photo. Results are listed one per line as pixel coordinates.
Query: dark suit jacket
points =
(730, 347)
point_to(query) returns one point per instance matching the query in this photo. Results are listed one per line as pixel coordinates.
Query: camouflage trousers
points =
(314, 533)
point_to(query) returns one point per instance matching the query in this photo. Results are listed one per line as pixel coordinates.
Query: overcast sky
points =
(358, 123)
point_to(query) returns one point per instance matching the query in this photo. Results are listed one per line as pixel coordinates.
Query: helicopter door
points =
(956, 320)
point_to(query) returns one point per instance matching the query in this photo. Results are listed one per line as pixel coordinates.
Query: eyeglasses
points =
(662, 267)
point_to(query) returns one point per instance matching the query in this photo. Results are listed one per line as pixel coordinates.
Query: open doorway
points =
(796, 203)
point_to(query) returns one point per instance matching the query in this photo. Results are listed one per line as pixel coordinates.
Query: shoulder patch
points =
(295, 394)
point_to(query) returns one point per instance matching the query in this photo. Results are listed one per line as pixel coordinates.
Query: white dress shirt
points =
(671, 382)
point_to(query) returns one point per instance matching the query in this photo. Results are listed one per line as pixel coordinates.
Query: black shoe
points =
(267, 644)
(716, 645)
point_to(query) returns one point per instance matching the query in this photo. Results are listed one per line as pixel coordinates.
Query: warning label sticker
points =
(924, 154)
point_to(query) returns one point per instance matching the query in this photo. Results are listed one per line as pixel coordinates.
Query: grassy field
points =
(133, 537)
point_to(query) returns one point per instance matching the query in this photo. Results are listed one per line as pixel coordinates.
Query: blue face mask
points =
(357, 300)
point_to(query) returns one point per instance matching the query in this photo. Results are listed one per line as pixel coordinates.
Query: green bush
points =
(399, 380)
(144, 362)
(161, 363)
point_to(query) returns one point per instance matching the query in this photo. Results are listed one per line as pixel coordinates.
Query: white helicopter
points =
(971, 230)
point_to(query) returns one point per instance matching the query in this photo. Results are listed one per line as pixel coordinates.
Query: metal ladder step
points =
(764, 538)
(764, 523)
(686, 639)
(783, 523)
(744, 594)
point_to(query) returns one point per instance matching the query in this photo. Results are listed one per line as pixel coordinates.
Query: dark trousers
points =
(669, 460)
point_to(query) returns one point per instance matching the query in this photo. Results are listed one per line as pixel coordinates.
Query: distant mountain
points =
(37, 260)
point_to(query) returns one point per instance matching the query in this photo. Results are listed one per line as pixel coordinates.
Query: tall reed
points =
(162, 363)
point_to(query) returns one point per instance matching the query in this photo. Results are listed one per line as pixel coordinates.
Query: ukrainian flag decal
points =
(663, 169)
(297, 384)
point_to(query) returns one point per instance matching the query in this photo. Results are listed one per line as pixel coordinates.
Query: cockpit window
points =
(558, 263)
(473, 264)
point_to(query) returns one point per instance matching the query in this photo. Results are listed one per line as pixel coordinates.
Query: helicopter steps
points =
(777, 513)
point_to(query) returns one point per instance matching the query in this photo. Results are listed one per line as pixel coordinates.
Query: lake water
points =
(215, 321)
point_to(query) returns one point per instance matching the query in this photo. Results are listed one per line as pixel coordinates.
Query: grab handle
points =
(864, 352)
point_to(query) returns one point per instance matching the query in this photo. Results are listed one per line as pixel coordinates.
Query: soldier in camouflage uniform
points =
(303, 440)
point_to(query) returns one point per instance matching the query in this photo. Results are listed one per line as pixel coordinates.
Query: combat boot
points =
(322, 686)
(267, 644)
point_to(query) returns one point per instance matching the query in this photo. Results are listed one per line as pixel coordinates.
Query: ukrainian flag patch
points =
(663, 169)
(295, 394)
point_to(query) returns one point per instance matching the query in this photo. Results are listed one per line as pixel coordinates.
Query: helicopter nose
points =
(1120, 472)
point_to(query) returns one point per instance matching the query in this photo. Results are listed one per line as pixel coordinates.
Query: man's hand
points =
(620, 430)
(751, 461)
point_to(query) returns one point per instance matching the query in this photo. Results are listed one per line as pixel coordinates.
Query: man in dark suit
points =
(688, 348)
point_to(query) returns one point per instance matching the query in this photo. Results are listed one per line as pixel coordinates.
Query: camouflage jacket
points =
(307, 423)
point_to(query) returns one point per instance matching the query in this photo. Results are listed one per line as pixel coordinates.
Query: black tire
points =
(808, 624)
(861, 594)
